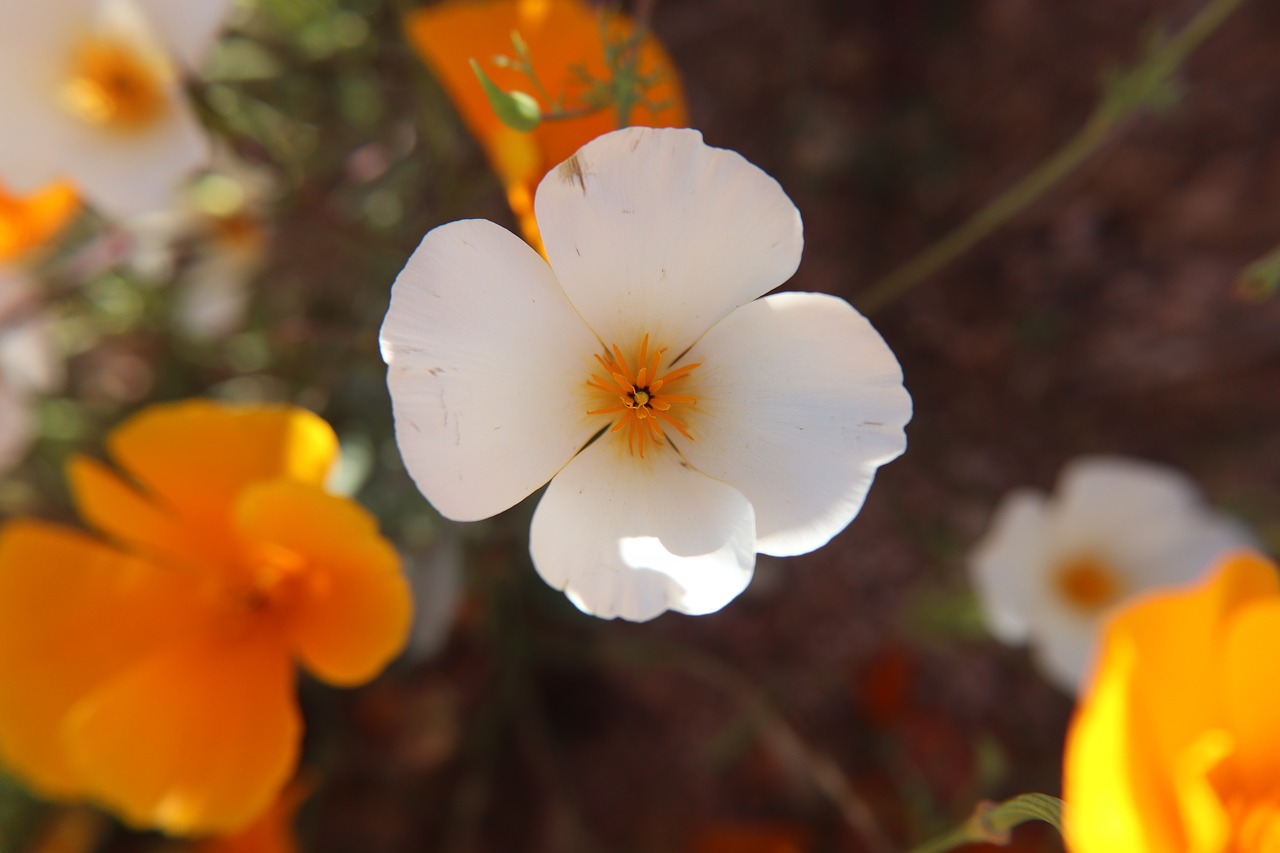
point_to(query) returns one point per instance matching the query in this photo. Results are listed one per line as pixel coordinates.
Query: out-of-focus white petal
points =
(1008, 565)
(799, 401)
(650, 230)
(30, 362)
(17, 427)
(187, 29)
(631, 537)
(487, 361)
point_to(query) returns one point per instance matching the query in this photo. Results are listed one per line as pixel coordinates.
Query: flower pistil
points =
(114, 84)
(644, 402)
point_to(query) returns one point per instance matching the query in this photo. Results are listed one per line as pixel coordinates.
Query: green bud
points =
(517, 110)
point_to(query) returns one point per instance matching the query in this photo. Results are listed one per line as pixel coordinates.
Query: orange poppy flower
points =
(561, 34)
(272, 832)
(150, 668)
(27, 221)
(1176, 746)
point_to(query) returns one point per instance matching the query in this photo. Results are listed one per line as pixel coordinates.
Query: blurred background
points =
(1106, 317)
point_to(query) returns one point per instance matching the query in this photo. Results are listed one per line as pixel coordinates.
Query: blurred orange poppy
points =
(151, 668)
(272, 832)
(562, 35)
(29, 220)
(1175, 746)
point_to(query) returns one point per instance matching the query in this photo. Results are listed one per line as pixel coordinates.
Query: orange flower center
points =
(112, 83)
(638, 394)
(1087, 583)
(276, 578)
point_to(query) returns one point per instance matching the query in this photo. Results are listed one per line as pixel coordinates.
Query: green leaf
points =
(517, 110)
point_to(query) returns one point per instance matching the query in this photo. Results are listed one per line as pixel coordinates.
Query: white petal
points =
(486, 362)
(17, 428)
(1064, 650)
(631, 537)
(1008, 565)
(799, 401)
(651, 230)
(188, 28)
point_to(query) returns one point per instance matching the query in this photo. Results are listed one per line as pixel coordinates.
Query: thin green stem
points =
(1128, 95)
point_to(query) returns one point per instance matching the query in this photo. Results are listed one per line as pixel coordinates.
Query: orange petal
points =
(196, 456)
(28, 221)
(120, 511)
(353, 608)
(73, 613)
(199, 738)
(1252, 693)
(561, 34)
(1152, 712)
(272, 832)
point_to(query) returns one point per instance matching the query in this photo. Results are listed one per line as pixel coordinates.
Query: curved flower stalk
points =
(30, 220)
(1048, 569)
(684, 423)
(92, 92)
(1175, 744)
(150, 668)
(562, 35)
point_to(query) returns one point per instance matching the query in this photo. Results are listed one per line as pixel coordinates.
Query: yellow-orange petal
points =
(1251, 691)
(352, 609)
(272, 832)
(31, 220)
(1145, 733)
(73, 613)
(561, 34)
(119, 510)
(198, 738)
(196, 456)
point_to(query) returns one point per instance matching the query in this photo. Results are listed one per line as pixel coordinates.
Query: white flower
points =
(683, 423)
(92, 92)
(29, 362)
(1049, 569)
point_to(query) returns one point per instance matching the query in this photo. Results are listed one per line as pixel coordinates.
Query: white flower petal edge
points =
(632, 538)
(189, 28)
(654, 224)
(1008, 564)
(799, 401)
(486, 364)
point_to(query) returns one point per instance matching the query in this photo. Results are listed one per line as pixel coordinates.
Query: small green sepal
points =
(517, 110)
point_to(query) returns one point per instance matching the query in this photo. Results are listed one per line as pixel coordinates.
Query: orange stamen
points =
(641, 407)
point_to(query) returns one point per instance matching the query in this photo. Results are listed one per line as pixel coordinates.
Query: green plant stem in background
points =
(991, 822)
(1145, 87)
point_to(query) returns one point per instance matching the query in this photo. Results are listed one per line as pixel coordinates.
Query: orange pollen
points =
(111, 83)
(276, 577)
(641, 397)
(1087, 583)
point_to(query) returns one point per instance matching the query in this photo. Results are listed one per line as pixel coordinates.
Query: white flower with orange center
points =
(684, 423)
(1048, 569)
(92, 92)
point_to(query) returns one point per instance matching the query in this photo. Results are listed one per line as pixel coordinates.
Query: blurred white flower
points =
(684, 423)
(1049, 568)
(92, 93)
(216, 238)
(29, 362)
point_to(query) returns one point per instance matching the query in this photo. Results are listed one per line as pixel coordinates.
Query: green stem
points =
(1131, 95)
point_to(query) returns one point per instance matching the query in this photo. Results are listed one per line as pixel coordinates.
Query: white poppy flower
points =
(683, 423)
(92, 92)
(1049, 569)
